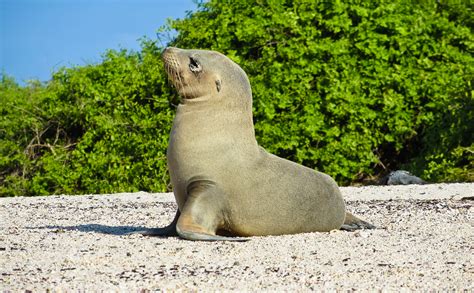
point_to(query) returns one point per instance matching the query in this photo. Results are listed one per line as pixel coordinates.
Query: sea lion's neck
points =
(206, 119)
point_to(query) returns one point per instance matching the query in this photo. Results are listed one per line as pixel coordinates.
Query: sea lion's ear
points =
(218, 85)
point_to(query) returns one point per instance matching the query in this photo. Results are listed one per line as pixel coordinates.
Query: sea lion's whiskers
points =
(178, 76)
(168, 72)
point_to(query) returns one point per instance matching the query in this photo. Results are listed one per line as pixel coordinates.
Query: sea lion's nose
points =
(168, 51)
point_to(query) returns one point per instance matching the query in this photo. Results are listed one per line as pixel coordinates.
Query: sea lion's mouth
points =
(171, 67)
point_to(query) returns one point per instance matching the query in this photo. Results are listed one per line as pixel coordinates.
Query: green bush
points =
(93, 129)
(353, 88)
(20, 124)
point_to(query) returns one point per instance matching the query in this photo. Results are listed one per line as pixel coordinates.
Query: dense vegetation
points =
(92, 129)
(353, 88)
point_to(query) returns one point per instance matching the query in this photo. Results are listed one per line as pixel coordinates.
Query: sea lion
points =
(224, 183)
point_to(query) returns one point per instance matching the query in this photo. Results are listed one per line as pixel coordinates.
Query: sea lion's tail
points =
(352, 223)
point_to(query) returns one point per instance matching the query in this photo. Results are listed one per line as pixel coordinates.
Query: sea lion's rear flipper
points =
(352, 223)
(202, 214)
(169, 230)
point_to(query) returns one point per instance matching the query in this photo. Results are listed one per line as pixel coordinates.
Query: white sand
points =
(425, 241)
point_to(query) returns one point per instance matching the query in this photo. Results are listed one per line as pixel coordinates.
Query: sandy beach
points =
(424, 240)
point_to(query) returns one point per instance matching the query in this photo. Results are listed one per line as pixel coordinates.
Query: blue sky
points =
(39, 36)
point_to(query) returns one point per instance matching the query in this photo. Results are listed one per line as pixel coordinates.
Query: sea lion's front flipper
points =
(169, 230)
(203, 214)
(352, 223)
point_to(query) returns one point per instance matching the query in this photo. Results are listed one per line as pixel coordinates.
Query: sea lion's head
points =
(205, 74)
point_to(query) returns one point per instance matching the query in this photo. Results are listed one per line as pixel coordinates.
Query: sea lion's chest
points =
(209, 143)
(196, 140)
(199, 145)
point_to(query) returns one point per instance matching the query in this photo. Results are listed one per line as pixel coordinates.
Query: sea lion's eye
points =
(194, 65)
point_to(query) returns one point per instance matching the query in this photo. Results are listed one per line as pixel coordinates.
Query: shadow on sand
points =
(97, 228)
